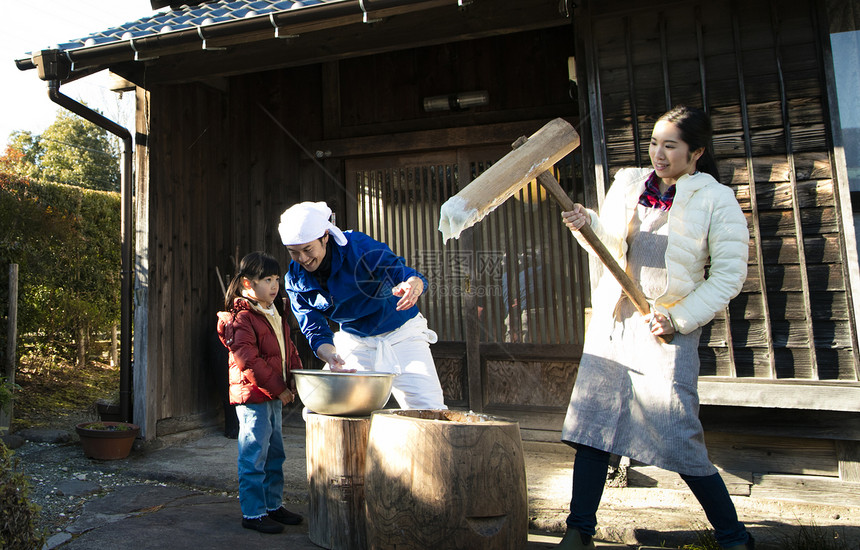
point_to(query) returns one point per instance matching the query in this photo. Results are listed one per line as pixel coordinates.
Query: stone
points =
(45, 435)
(77, 488)
(57, 540)
(12, 441)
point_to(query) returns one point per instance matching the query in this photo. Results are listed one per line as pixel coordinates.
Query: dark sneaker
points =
(282, 515)
(263, 524)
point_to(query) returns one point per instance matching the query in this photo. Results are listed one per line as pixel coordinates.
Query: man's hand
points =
(328, 353)
(409, 291)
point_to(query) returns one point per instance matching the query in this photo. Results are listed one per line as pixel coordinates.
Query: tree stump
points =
(336, 447)
(445, 480)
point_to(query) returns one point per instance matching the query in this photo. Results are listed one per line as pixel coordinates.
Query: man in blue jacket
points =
(360, 284)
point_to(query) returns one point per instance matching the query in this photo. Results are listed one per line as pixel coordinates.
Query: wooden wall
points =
(773, 453)
(524, 74)
(486, 359)
(224, 156)
(184, 163)
(756, 67)
(222, 167)
(789, 340)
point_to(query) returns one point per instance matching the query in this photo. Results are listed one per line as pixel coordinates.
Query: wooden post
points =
(82, 346)
(114, 360)
(336, 447)
(848, 455)
(11, 343)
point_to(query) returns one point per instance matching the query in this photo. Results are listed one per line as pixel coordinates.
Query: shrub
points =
(17, 514)
(7, 394)
(66, 242)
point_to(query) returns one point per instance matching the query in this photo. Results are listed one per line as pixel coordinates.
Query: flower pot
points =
(107, 440)
(108, 411)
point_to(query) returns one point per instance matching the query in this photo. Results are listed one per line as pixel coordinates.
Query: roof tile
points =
(187, 17)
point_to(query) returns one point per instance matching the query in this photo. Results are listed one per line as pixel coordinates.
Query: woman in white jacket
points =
(636, 395)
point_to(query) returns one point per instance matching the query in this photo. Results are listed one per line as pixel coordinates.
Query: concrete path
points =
(189, 500)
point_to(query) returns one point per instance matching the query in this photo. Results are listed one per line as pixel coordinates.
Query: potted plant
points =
(107, 440)
(108, 409)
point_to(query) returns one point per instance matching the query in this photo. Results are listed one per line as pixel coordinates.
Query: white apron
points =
(634, 395)
(404, 351)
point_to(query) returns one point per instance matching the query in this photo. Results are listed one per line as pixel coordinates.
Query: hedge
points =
(66, 242)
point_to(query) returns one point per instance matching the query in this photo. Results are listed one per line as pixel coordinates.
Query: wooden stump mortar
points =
(336, 448)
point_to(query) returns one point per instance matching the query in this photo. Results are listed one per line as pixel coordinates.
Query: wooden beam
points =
(531, 418)
(117, 83)
(781, 395)
(185, 424)
(475, 376)
(769, 454)
(476, 390)
(494, 351)
(146, 349)
(826, 490)
(811, 424)
(446, 138)
(737, 482)
(540, 436)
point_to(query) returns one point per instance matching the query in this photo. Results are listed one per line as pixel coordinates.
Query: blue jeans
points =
(589, 477)
(261, 458)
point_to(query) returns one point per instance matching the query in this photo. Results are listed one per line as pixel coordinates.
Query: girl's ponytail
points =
(707, 164)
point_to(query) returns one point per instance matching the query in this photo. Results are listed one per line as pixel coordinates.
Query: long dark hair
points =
(696, 131)
(254, 266)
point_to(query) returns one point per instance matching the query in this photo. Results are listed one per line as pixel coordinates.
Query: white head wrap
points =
(307, 221)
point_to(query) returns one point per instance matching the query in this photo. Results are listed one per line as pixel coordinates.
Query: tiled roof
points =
(219, 11)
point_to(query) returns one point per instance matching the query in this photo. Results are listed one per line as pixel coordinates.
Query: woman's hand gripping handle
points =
(577, 218)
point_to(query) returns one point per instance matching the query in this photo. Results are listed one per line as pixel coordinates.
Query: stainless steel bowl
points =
(343, 393)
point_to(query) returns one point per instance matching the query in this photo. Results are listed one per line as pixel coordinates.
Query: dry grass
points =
(56, 394)
(805, 537)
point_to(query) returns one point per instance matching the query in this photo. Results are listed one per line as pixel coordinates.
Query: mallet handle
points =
(630, 289)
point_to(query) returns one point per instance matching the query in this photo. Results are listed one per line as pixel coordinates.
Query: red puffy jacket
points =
(255, 355)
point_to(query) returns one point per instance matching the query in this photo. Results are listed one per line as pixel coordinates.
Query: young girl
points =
(255, 331)
(635, 395)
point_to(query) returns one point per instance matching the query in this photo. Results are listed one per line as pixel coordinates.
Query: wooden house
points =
(385, 108)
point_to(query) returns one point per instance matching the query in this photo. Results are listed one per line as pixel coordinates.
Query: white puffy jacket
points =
(705, 221)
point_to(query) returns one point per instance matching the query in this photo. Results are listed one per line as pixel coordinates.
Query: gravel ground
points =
(61, 482)
(62, 478)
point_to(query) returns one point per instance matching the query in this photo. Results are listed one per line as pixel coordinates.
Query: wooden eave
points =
(288, 39)
(317, 43)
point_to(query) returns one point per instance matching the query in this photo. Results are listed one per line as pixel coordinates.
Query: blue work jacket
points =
(359, 299)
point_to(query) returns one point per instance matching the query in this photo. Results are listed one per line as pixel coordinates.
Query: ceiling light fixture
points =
(456, 102)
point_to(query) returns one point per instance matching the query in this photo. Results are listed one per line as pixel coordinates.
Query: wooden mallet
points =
(531, 158)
